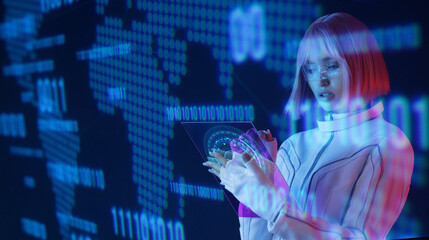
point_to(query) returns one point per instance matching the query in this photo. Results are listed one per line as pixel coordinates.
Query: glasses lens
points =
(332, 69)
(313, 72)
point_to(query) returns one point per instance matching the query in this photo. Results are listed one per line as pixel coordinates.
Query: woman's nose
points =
(324, 81)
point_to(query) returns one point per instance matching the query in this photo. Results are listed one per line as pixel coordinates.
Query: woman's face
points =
(324, 74)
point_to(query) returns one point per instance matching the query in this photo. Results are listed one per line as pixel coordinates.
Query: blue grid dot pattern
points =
(19, 9)
(181, 208)
(206, 22)
(286, 21)
(146, 86)
(58, 147)
(61, 147)
(147, 72)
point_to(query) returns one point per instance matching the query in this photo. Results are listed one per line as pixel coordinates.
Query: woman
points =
(348, 178)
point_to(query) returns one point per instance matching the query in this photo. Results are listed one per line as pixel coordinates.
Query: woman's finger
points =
(269, 137)
(212, 159)
(226, 154)
(211, 170)
(262, 134)
(246, 157)
(265, 134)
(219, 157)
(212, 165)
(221, 152)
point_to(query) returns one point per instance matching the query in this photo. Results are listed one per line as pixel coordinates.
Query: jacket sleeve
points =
(377, 200)
(253, 227)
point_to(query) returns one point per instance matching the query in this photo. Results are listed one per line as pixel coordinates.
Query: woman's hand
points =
(217, 161)
(265, 135)
(219, 158)
(245, 179)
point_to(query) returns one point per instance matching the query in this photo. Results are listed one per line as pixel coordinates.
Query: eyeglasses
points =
(313, 72)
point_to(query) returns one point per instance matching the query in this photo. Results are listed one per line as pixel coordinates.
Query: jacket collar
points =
(347, 120)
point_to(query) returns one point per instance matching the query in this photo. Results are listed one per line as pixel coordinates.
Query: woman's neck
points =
(343, 114)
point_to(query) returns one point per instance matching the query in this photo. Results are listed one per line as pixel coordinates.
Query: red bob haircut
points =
(351, 42)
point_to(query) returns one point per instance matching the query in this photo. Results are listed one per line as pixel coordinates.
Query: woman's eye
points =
(333, 66)
(310, 69)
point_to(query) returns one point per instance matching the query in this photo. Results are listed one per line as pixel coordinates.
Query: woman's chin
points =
(330, 107)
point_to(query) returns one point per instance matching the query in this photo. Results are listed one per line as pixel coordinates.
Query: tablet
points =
(215, 135)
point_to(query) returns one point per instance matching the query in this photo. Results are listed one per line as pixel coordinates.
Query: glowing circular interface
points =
(219, 137)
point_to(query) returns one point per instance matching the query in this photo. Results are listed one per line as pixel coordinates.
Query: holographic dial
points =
(219, 137)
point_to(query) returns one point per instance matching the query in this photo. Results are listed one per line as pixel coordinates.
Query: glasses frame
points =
(328, 70)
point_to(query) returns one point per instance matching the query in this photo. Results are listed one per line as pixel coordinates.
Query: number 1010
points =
(139, 226)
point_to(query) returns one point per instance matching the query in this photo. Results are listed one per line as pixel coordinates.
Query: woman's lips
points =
(326, 96)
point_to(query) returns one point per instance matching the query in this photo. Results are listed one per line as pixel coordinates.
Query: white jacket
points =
(350, 178)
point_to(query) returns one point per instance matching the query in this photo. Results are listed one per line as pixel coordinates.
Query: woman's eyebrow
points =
(323, 60)
(329, 59)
